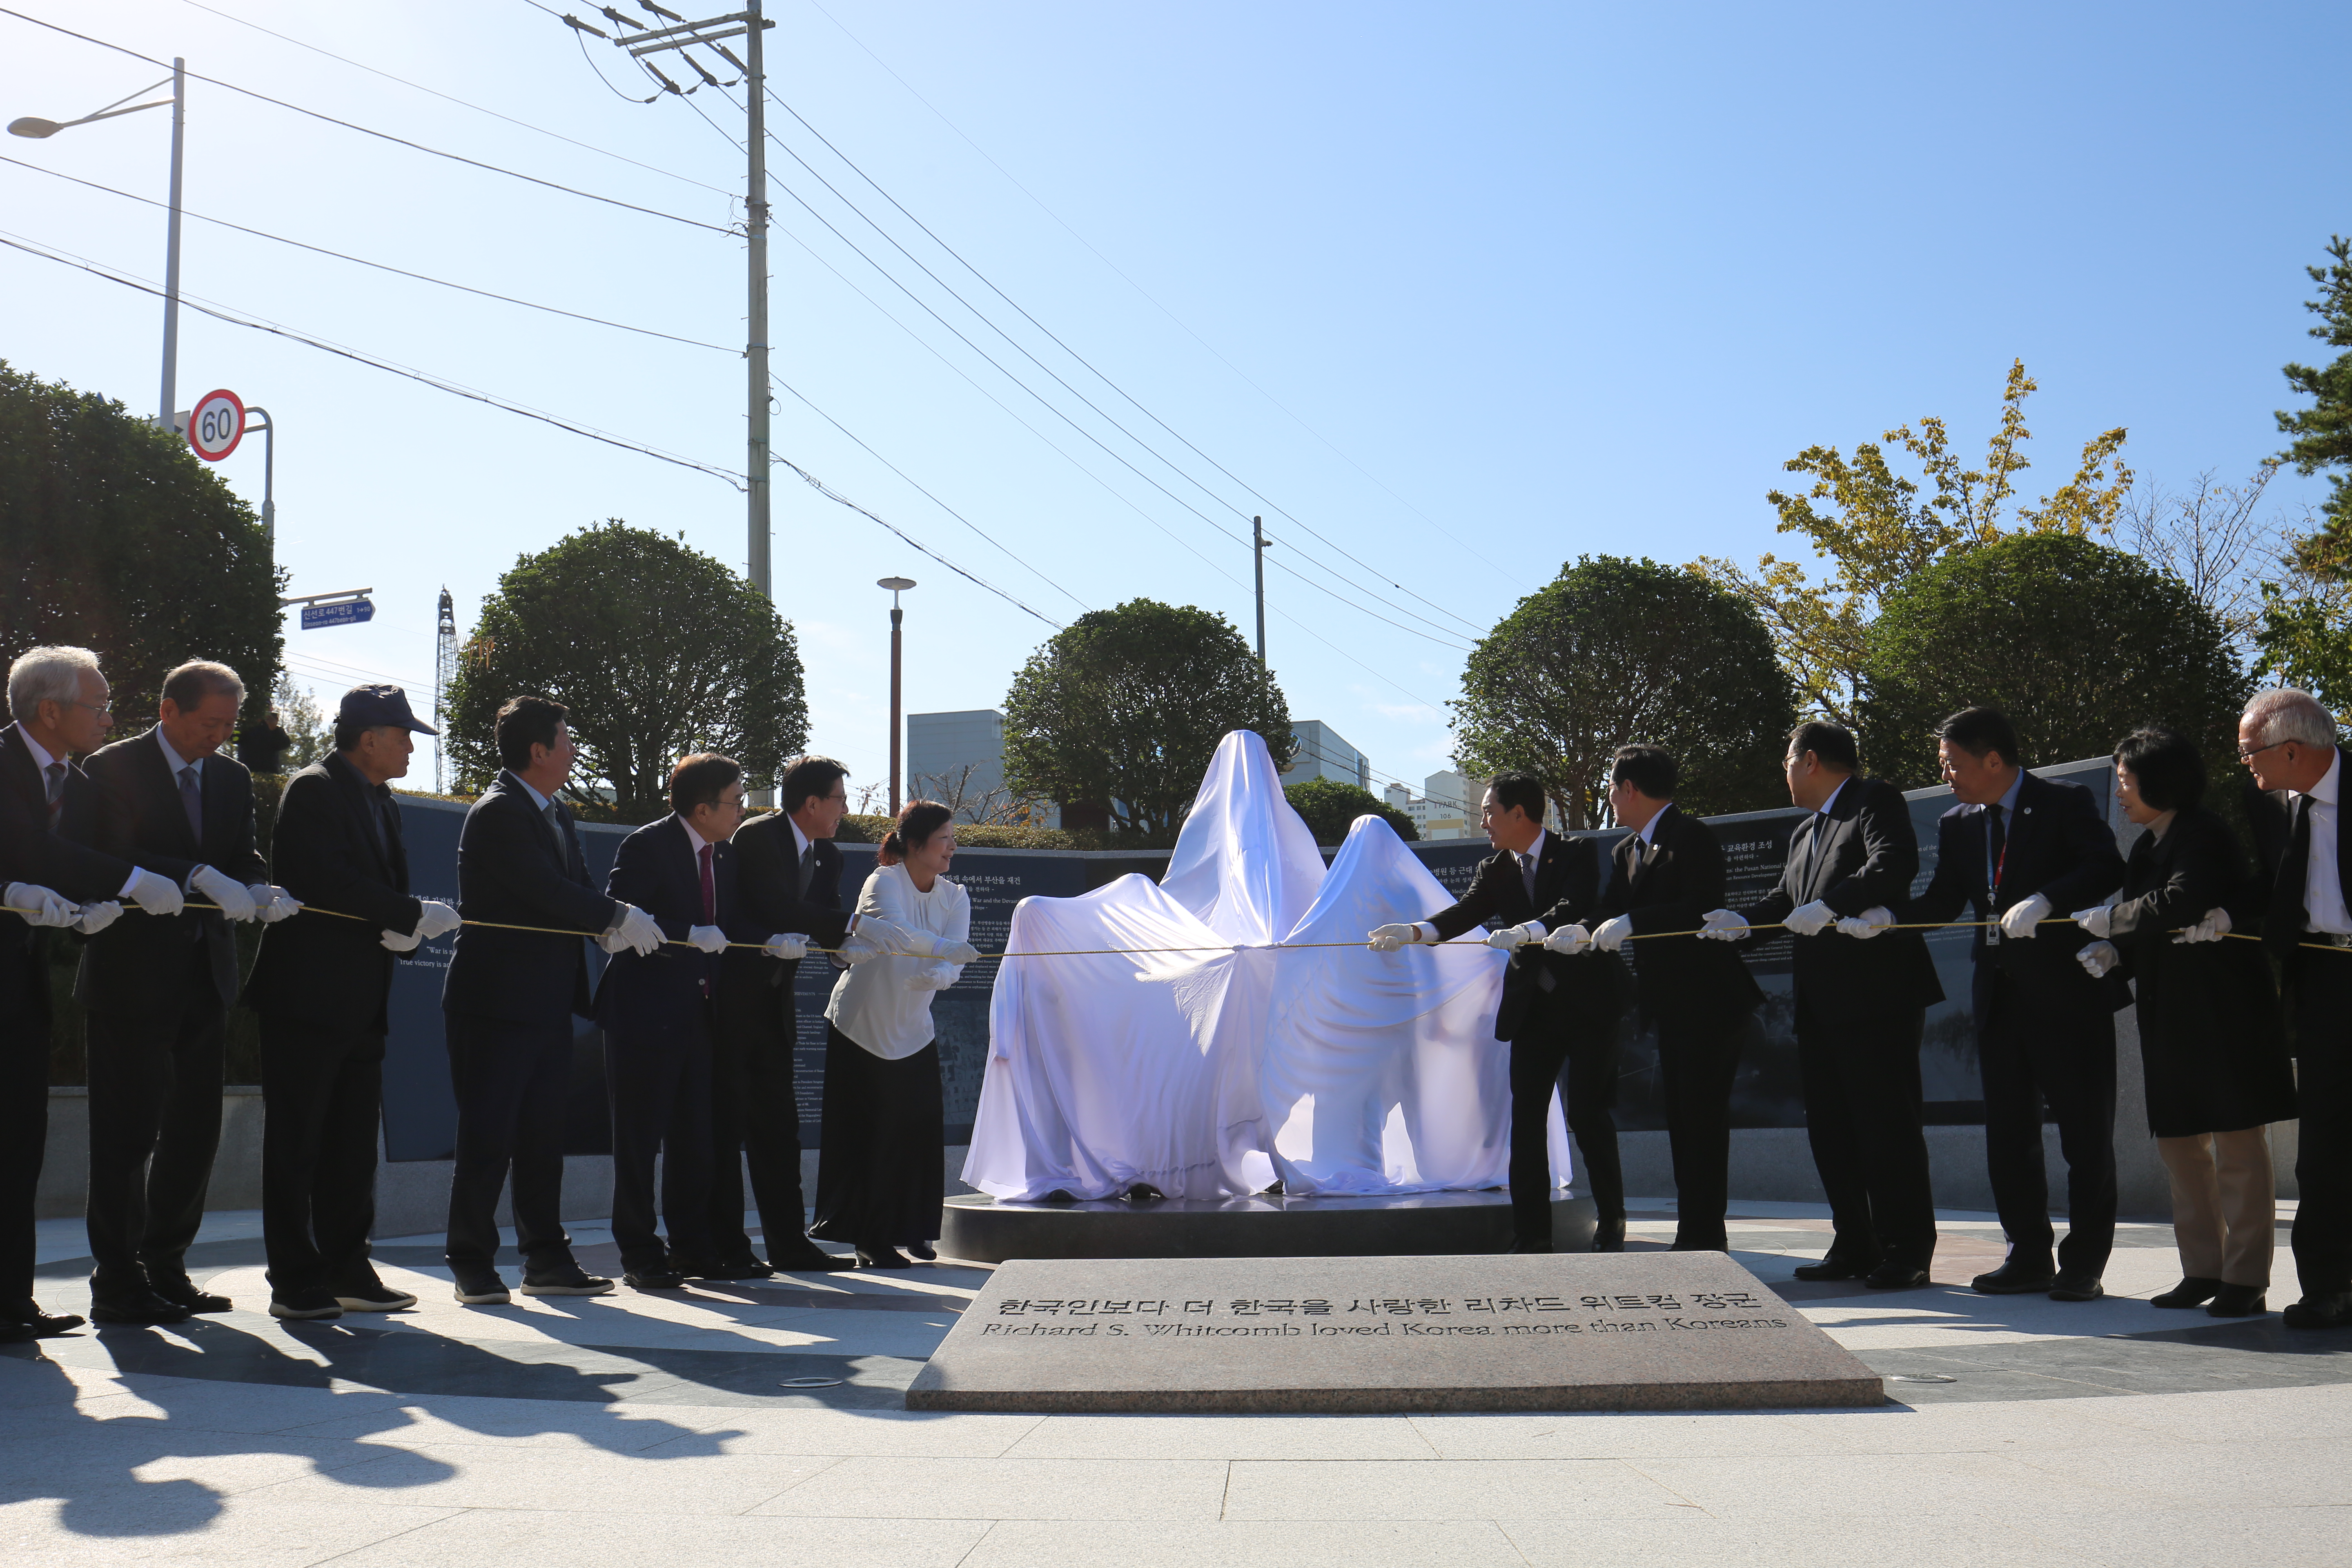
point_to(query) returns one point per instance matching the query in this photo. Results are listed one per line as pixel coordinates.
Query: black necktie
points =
(1996, 848)
(2283, 926)
(192, 801)
(808, 869)
(1527, 876)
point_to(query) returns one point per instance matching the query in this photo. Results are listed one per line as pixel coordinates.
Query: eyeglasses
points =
(2246, 756)
(93, 706)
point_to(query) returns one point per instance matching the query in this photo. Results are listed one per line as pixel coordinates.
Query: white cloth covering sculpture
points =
(1112, 1069)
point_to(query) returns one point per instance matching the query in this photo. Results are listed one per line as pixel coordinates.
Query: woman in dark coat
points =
(2211, 1040)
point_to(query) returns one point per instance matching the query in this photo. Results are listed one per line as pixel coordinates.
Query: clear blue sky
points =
(1469, 290)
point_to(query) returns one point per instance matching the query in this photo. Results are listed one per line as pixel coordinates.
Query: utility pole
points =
(896, 585)
(1257, 555)
(172, 249)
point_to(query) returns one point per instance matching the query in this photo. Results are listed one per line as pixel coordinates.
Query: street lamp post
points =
(37, 128)
(896, 585)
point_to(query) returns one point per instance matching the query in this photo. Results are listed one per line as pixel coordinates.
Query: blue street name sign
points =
(350, 613)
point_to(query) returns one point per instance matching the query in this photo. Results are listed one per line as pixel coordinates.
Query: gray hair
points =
(2282, 714)
(198, 678)
(46, 674)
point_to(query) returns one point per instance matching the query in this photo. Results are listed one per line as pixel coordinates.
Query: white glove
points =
(1809, 920)
(2098, 958)
(396, 942)
(156, 895)
(1567, 940)
(959, 953)
(2212, 928)
(97, 916)
(1612, 933)
(932, 977)
(1723, 925)
(707, 939)
(2019, 924)
(858, 947)
(235, 903)
(1867, 924)
(438, 919)
(640, 932)
(1510, 939)
(2094, 920)
(789, 945)
(40, 906)
(1388, 939)
(272, 903)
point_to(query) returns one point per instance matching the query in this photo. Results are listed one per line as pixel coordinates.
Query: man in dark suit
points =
(2303, 875)
(1668, 873)
(509, 1002)
(2023, 851)
(660, 1013)
(158, 990)
(320, 986)
(1556, 1009)
(788, 882)
(1860, 1009)
(59, 701)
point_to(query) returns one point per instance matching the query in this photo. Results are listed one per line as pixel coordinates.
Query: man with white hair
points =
(58, 701)
(157, 991)
(2304, 866)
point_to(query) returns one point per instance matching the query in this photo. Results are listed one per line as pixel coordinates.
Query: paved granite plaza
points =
(634, 1426)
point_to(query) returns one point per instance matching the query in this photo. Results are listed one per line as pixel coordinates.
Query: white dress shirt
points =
(177, 761)
(2323, 890)
(872, 1004)
(44, 762)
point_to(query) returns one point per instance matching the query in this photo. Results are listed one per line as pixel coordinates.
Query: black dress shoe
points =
(1835, 1267)
(2076, 1287)
(882, 1257)
(40, 1324)
(137, 1307)
(1896, 1277)
(2191, 1292)
(2238, 1301)
(16, 1333)
(183, 1291)
(1608, 1235)
(568, 1279)
(663, 1278)
(1521, 1245)
(305, 1305)
(2332, 1310)
(744, 1267)
(2014, 1279)
(686, 1267)
(807, 1258)
(924, 1250)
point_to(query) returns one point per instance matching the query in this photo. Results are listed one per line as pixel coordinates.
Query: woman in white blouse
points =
(882, 1169)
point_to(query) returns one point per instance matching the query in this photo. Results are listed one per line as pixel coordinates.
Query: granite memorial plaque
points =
(1641, 1330)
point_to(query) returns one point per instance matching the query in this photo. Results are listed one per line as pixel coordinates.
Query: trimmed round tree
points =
(2077, 642)
(1329, 809)
(1613, 652)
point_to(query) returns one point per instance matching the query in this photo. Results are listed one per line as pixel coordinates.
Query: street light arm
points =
(39, 130)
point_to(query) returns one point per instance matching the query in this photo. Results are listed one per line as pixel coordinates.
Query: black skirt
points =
(881, 1169)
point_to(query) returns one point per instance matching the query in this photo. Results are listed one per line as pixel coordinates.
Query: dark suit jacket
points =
(510, 870)
(1568, 885)
(2060, 846)
(770, 899)
(2273, 815)
(657, 871)
(135, 964)
(1860, 853)
(55, 858)
(1670, 884)
(313, 966)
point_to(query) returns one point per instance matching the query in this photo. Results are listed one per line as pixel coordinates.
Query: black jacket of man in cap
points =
(320, 986)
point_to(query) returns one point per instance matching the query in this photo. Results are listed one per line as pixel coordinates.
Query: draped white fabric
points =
(1204, 1073)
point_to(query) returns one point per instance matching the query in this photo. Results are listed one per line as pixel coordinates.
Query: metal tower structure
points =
(445, 674)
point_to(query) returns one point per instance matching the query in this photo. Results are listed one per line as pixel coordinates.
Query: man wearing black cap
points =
(319, 986)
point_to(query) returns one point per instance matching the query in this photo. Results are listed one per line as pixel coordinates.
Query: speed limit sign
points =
(216, 424)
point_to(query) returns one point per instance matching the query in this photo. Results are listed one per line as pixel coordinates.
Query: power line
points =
(379, 266)
(462, 103)
(234, 319)
(1058, 342)
(1097, 409)
(1152, 300)
(380, 135)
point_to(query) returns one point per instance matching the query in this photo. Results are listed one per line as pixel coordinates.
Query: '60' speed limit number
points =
(216, 424)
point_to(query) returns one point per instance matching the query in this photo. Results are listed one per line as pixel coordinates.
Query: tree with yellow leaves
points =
(1876, 529)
